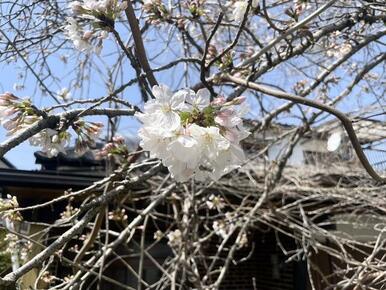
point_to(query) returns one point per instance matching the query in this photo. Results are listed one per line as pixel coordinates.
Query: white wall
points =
(297, 157)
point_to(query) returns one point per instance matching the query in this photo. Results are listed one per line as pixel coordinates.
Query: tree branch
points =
(53, 120)
(346, 122)
(138, 42)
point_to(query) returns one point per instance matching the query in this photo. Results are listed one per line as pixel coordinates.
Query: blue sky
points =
(22, 156)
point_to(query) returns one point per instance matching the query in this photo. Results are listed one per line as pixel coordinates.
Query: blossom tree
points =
(203, 81)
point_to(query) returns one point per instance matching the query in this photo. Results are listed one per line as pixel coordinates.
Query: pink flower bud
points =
(10, 111)
(4, 102)
(212, 51)
(103, 35)
(87, 35)
(219, 101)
(7, 96)
(76, 7)
(119, 139)
(94, 129)
(30, 119)
(97, 124)
(123, 6)
(109, 147)
(181, 23)
(9, 125)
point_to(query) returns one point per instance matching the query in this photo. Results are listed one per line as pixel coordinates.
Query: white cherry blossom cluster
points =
(155, 10)
(97, 19)
(225, 227)
(175, 238)
(240, 7)
(54, 141)
(85, 40)
(50, 141)
(95, 9)
(9, 203)
(18, 114)
(193, 136)
(338, 50)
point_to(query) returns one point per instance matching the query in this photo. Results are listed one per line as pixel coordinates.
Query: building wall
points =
(266, 269)
(297, 157)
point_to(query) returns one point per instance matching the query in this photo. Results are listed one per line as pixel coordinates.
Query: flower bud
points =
(4, 103)
(87, 35)
(123, 6)
(109, 147)
(119, 139)
(219, 101)
(10, 111)
(103, 34)
(8, 96)
(76, 7)
(9, 125)
(212, 51)
(181, 23)
(30, 119)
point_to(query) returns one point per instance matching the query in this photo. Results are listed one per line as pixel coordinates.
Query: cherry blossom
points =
(200, 100)
(242, 240)
(193, 136)
(175, 238)
(77, 36)
(240, 7)
(98, 19)
(51, 141)
(16, 113)
(155, 10)
(10, 202)
(64, 94)
(216, 202)
(90, 7)
(84, 40)
(164, 109)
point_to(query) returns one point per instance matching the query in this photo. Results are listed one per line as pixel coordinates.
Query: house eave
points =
(50, 179)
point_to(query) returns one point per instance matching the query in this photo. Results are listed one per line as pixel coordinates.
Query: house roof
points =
(367, 130)
(70, 159)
